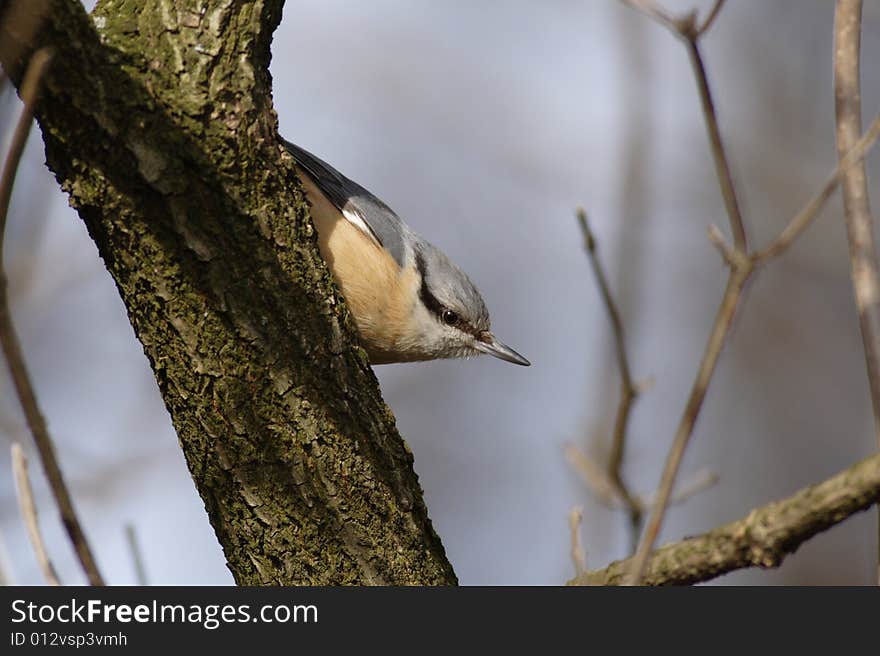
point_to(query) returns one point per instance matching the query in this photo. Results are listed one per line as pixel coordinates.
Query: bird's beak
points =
(488, 343)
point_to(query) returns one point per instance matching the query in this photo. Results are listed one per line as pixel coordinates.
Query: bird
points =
(409, 301)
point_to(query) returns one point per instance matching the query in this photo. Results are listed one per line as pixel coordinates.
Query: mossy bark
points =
(158, 122)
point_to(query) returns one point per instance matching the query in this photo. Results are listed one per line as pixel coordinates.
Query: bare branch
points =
(595, 478)
(578, 556)
(29, 92)
(740, 267)
(727, 251)
(762, 539)
(137, 557)
(629, 391)
(655, 12)
(686, 28)
(857, 207)
(699, 482)
(741, 264)
(9, 340)
(723, 321)
(609, 495)
(802, 220)
(29, 513)
(6, 576)
(710, 19)
(719, 155)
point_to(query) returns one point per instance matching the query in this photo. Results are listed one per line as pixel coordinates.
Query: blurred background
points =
(484, 124)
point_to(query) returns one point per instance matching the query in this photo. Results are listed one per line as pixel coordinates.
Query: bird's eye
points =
(449, 317)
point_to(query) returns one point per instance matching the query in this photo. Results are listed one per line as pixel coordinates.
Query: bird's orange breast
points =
(378, 293)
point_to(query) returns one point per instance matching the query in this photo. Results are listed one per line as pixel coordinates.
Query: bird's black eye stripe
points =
(444, 314)
(430, 301)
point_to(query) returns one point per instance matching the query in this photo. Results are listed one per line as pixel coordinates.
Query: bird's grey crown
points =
(348, 195)
(445, 286)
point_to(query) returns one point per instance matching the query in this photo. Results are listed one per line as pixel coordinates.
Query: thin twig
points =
(629, 391)
(688, 489)
(595, 478)
(655, 12)
(29, 513)
(9, 340)
(740, 269)
(578, 556)
(719, 155)
(29, 92)
(723, 321)
(713, 14)
(762, 539)
(137, 557)
(6, 574)
(686, 28)
(609, 494)
(804, 218)
(857, 206)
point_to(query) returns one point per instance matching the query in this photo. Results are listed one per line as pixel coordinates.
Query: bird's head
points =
(450, 318)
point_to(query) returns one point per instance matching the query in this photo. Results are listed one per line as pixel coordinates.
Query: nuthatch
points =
(408, 300)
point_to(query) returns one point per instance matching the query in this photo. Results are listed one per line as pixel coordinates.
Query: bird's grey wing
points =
(358, 205)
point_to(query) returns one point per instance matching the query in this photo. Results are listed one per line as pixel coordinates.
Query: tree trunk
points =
(158, 122)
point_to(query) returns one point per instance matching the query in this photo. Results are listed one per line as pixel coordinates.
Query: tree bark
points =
(158, 122)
